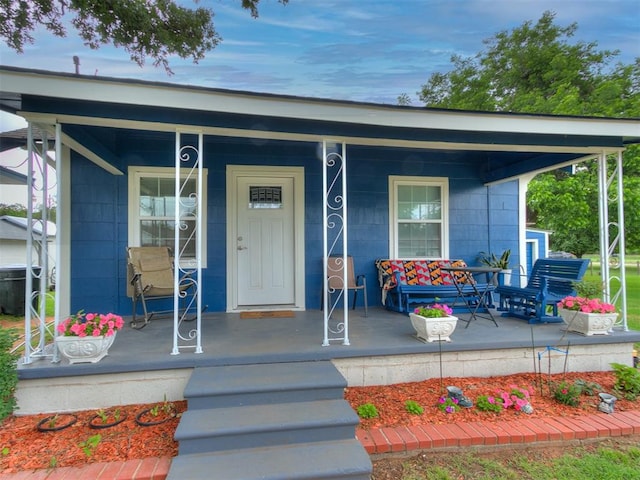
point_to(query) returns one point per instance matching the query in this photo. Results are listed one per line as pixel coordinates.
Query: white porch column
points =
(187, 271)
(334, 209)
(612, 251)
(35, 302)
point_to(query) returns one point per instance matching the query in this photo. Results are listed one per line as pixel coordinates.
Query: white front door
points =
(265, 238)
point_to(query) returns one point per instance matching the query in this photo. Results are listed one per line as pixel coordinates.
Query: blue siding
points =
(542, 252)
(99, 211)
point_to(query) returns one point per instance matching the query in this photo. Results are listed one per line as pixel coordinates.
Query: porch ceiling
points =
(98, 113)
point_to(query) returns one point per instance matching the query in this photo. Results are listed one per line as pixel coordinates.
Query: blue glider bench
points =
(407, 284)
(549, 282)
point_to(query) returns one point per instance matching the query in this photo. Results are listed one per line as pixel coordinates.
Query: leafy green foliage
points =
(153, 28)
(588, 388)
(8, 372)
(492, 260)
(90, 444)
(367, 410)
(540, 68)
(14, 209)
(567, 393)
(627, 381)
(448, 404)
(567, 204)
(535, 68)
(489, 403)
(413, 407)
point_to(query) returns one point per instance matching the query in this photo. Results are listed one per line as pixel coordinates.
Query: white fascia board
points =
(303, 137)
(197, 98)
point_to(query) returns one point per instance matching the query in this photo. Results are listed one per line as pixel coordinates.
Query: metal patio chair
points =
(150, 277)
(354, 282)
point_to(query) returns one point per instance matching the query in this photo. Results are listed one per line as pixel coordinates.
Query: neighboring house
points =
(418, 182)
(537, 246)
(13, 241)
(9, 177)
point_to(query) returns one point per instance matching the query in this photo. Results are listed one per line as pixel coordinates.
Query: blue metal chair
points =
(549, 282)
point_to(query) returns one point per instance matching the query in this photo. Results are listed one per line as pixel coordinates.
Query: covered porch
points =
(384, 350)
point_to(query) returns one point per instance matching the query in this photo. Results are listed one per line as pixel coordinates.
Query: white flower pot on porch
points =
(504, 277)
(588, 323)
(84, 349)
(433, 329)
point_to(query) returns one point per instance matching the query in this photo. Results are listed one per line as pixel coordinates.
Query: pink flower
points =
(586, 305)
(90, 324)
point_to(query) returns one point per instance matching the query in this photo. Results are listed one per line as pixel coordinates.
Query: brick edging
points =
(507, 432)
(397, 440)
(152, 468)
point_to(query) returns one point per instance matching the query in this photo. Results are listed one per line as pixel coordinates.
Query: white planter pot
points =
(505, 278)
(84, 349)
(433, 329)
(588, 323)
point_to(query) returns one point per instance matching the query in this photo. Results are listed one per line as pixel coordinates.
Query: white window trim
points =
(135, 173)
(394, 182)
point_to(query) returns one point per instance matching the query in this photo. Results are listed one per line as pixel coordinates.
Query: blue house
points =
(273, 184)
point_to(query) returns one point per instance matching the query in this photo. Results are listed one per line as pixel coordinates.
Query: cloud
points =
(344, 49)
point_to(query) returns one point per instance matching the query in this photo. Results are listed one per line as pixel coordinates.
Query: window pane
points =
(265, 197)
(157, 197)
(419, 240)
(416, 202)
(160, 233)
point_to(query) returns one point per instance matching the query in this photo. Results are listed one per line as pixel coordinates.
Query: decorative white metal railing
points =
(612, 240)
(334, 187)
(187, 268)
(36, 329)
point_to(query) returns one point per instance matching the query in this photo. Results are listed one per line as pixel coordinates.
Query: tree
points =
(15, 209)
(535, 69)
(144, 28)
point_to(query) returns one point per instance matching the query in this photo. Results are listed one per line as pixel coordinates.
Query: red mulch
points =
(390, 400)
(23, 447)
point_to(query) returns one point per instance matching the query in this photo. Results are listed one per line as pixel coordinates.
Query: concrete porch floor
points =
(383, 350)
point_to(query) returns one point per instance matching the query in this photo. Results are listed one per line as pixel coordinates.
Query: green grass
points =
(632, 280)
(611, 460)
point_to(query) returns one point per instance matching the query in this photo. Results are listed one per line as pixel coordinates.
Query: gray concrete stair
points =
(236, 385)
(270, 422)
(257, 425)
(345, 459)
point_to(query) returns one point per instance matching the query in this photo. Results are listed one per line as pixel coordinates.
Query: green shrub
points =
(8, 372)
(489, 403)
(413, 407)
(367, 410)
(589, 388)
(627, 381)
(567, 393)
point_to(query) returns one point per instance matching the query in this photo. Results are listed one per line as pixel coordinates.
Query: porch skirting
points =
(89, 392)
(390, 369)
(94, 391)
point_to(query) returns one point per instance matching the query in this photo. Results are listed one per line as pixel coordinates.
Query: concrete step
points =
(215, 429)
(235, 385)
(340, 460)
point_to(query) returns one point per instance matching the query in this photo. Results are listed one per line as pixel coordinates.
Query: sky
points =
(361, 50)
